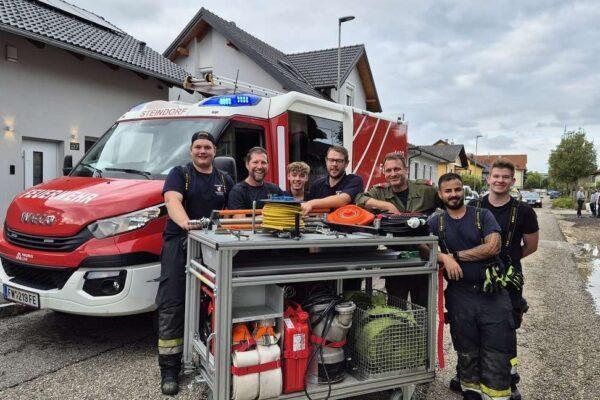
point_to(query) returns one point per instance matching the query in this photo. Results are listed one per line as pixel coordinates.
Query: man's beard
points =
(339, 174)
(457, 206)
(257, 176)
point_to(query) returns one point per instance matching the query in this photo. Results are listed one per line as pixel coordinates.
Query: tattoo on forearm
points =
(488, 249)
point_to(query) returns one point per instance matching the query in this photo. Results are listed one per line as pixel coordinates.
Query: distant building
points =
(453, 155)
(423, 164)
(210, 44)
(519, 160)
(66, 75)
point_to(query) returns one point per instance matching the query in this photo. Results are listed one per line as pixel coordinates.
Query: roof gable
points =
(267, 57)
(85, 33)
(449, 152)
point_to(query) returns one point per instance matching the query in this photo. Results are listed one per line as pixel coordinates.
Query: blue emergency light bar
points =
(232, 100)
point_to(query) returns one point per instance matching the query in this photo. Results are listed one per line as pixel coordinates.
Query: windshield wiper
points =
(97, 171)
(145, 174)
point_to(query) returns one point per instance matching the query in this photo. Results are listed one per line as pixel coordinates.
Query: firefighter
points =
(479, 307)
(400, 195)
(335, 190)
(254, 187)
(298, 173)
(191, 192)
(522, 227)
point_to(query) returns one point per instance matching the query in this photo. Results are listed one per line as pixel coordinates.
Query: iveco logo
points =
(37, 219)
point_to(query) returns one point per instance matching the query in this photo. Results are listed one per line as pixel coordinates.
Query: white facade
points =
(49, 98)
(424, 167)
(213, 53)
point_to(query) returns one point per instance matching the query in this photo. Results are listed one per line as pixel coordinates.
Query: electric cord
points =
(328, 314)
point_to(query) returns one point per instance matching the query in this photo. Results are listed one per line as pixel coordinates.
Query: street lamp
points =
(340, 21)
(476, 140)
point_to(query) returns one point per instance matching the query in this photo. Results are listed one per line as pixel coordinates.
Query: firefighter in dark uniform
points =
(479, 307)
(520, 237)
(191, 192)
(400, 195)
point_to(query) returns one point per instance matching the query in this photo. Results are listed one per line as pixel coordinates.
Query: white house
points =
(422, 164)
(66, 75)
(210, 44)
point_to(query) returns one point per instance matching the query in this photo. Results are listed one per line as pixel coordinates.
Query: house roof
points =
(520, 160)
(420, 149)
(320, 68)
(61, 24)
(449, 152)
(298, 72)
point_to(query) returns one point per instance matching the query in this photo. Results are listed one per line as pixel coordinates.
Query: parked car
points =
(532, 198)
(553, 194)
(470, 194)
(514, 192)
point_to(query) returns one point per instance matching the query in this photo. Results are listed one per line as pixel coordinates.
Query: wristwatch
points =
(456, 257)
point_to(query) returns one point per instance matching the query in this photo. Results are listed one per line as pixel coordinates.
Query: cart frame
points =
(217, 251)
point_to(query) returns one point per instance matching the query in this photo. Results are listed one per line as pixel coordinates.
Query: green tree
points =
(573, 158)
(533, 180)
(475, 182)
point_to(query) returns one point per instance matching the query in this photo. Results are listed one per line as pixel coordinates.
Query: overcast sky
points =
(516, 72)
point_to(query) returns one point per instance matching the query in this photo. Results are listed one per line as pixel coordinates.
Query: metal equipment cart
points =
(231, 265)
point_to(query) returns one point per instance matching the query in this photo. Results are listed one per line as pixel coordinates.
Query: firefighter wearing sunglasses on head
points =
(479, 307)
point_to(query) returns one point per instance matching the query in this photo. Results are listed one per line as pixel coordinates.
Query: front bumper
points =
(137, 296)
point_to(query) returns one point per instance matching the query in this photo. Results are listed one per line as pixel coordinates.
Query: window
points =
(38, 167)
(237, 140)
(430, 172)
(416, 169)
(349, 95)
(309, 139)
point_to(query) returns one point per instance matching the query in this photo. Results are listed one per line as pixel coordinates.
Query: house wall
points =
(519, 178)
(353, 80)
(213, 53)
(49, 94)
(426, 162)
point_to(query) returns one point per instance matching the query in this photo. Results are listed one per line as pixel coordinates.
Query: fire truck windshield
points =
(144, 149)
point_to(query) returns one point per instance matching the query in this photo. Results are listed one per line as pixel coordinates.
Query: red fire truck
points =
(89, 242)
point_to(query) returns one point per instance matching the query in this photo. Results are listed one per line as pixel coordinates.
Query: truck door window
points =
(309, 139)
(235, 142)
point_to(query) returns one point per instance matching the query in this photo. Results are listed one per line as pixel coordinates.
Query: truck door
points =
(237, 139)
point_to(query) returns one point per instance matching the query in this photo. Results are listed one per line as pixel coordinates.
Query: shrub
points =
(563, 202)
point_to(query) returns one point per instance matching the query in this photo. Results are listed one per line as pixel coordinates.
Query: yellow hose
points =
(279, 216)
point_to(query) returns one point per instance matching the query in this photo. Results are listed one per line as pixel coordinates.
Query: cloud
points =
(515, 72)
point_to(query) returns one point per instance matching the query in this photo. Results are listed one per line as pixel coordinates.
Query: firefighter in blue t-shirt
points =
(191, 192)
(479, 307)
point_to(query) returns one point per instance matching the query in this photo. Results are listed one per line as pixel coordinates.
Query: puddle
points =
(591, 273)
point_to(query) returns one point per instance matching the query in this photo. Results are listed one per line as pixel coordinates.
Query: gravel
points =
(559, 342)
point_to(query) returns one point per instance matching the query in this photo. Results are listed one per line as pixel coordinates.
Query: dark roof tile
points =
(42, 22)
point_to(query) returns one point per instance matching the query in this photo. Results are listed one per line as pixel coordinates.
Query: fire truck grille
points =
(46, 243)
(36, 277)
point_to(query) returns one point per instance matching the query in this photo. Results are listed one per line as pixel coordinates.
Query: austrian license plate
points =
(21, 296)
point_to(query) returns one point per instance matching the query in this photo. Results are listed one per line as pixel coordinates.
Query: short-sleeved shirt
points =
(463, 234)
(206, 192)
(350, 184)
(526, 223)
(242, 195)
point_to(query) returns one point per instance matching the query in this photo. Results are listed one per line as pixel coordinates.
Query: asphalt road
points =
(45, 355)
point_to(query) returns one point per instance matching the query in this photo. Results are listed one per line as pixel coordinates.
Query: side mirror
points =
(67, 165)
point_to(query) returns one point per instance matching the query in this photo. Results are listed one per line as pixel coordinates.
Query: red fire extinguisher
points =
(296, 349)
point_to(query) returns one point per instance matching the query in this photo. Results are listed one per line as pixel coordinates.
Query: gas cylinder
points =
(296, 349)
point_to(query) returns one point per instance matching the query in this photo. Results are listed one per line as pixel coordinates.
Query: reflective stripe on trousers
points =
(170, 346)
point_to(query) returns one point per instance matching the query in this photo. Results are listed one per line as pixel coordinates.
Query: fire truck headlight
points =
(104, 228)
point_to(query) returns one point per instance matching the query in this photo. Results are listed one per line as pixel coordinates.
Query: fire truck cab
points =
(89, 242)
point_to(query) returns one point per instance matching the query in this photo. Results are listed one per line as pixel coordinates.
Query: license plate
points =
(21, 296)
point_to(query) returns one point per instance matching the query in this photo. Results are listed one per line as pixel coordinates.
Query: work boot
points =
(514, 392)
(169, 385)
(455, 384)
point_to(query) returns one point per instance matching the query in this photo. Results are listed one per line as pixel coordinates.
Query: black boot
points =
(514, 392)
(455, 384)
(169, 386)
